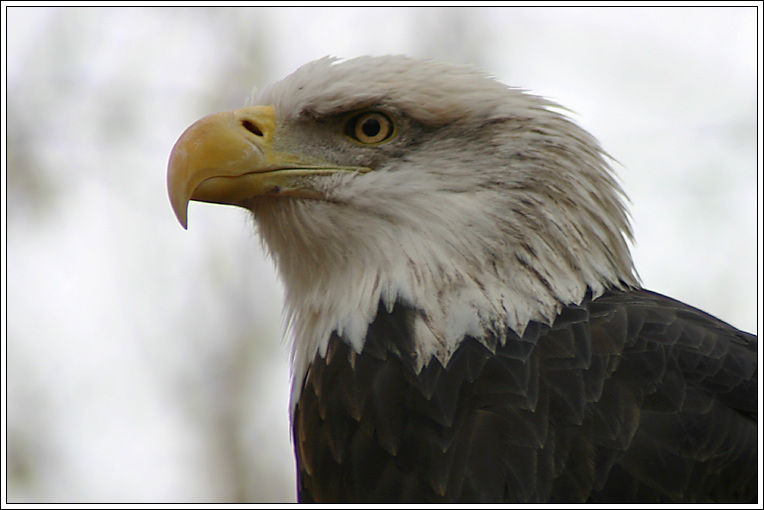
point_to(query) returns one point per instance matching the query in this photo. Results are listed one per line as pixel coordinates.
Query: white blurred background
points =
(145, 362)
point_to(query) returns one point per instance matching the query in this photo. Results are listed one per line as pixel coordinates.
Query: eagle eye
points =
(370, 128)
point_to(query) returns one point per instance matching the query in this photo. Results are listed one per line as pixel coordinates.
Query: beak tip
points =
(178, 197)
(180, 208)
(182, 218)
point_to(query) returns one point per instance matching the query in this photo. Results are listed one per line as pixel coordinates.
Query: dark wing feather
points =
(630, 397)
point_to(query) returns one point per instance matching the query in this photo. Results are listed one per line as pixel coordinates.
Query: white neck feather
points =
(473, 263)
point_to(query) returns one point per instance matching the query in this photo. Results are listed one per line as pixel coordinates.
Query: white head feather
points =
(489, 211)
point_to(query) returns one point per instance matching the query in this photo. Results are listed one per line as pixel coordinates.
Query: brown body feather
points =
(630, 397)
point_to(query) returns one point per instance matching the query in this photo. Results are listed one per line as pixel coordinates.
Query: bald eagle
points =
(468, 324)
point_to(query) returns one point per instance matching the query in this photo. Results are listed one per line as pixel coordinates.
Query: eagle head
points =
(384, 180)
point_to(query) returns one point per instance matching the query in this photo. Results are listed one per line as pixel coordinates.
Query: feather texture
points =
(620, 400)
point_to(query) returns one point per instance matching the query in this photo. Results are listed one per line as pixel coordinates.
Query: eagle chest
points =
(619, 400)
(368, 428)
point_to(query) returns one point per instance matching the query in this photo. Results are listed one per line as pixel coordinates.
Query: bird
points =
(466, 319)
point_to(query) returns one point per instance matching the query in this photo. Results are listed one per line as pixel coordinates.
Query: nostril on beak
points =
(252, 128)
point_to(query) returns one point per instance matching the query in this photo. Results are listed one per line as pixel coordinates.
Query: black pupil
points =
(371, 127)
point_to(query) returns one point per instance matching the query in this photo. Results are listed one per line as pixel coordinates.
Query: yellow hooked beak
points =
(228, 158)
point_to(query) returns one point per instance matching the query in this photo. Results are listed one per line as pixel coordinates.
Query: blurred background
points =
(146, 363)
